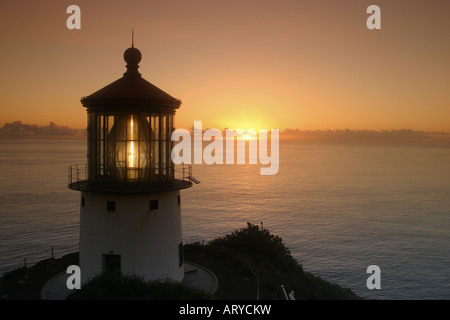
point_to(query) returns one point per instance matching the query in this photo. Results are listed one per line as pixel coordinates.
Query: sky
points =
(307, 64)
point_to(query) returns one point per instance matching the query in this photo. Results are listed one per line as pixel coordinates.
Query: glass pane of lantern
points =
(171, 166)
(103, 138)
(143, 157)
(120, 163)
(109, 146)
(132, 150)
(110, 123)
(164, 158)
(171, 126)
(117, 152)
(170, 146)
(164, 127)
(155, 127)
(98, 136)
(90, 150)
(137, 147)
(155, 157)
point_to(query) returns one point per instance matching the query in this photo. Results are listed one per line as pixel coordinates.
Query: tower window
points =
(110, 205)
(82, 201)
(179, 199)
(153, 205)
(111, 262)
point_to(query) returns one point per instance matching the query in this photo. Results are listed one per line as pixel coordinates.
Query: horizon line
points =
(290, 129)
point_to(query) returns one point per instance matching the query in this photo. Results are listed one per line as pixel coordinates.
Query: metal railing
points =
(185, 170)
(34, 257)
(78, 172)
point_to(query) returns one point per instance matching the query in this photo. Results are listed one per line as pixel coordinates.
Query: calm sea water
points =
(339, 207)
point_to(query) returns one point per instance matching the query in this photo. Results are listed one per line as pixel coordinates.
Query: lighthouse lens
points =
(127, 147)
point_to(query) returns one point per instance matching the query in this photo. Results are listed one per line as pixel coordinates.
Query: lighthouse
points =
(130, 206)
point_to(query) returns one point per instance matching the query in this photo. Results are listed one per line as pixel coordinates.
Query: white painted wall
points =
(147, 241)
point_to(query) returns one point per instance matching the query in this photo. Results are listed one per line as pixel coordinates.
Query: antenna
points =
(132, 38)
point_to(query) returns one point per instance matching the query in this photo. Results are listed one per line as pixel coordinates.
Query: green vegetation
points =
(251, 263)
(115, 286)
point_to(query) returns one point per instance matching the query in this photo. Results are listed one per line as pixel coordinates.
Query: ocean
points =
(339, 207)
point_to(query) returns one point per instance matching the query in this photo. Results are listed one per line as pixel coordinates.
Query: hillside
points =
(251, 263)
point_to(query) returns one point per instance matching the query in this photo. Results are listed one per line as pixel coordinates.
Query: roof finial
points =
(132, 57)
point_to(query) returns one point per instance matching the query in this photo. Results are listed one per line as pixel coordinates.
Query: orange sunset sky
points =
(308, 64)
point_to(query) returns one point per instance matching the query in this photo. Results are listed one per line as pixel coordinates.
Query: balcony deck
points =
(130, 187)
(78, 180)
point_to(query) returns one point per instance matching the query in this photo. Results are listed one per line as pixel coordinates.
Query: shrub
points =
(259, 243)
(116, 286)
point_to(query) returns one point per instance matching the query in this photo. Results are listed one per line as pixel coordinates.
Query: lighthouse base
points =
(136, 234)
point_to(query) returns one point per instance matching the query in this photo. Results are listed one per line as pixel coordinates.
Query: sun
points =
(247, 135)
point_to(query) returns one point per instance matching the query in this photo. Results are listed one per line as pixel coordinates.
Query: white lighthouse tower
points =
(130, 211)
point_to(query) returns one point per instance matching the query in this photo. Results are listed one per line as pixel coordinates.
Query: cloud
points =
(17, 129)
(403, 135)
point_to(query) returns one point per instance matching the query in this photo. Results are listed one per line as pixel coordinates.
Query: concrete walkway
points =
(194, 275)
(200, 277)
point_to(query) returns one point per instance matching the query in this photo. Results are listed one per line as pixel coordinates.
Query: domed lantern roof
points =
(131, 92)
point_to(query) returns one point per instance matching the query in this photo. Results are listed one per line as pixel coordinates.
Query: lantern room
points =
(130, 123)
